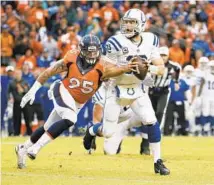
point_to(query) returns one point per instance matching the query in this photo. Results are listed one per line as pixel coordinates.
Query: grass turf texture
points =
(65, 162)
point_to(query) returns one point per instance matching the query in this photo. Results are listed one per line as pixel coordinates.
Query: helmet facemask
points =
(91, 54)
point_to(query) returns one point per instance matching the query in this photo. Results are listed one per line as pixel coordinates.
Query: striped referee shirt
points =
(172, 71)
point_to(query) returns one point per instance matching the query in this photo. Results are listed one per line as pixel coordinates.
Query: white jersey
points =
(208, 88)
(191, 81)
(120, 50)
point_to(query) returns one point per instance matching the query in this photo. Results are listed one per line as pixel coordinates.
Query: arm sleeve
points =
(155, 48)
(177, 69)
(111, 51)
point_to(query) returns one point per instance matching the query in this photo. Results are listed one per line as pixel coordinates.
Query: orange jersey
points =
(81, 86)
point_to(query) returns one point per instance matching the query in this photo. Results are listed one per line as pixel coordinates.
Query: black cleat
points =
(144, 147)
(88, 140)
(119, 148)
(159, 167)
(93, 144)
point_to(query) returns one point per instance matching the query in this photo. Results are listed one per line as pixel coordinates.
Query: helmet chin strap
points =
(134, 36)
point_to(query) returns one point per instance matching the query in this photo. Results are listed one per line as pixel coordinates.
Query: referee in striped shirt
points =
(160, 92)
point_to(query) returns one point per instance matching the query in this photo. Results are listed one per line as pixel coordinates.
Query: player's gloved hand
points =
(135, 62)
(148, 81)
(30, 96)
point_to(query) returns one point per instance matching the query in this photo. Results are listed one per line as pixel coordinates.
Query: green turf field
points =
(190, 159)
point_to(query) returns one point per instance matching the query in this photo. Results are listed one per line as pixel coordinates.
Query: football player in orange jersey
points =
(86, 70)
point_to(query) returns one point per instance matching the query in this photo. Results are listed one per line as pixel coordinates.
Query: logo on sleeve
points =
(125, 50)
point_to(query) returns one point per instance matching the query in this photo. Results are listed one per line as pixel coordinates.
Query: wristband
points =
(36, 86)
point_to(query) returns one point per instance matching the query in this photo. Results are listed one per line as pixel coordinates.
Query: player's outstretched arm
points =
(57, 68)
(112, 70)
(158, 67)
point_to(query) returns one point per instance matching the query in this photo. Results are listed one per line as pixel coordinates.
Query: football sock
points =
(154, 136)
(37, 134)
(155, 147)
(94, 129)
(44, 140)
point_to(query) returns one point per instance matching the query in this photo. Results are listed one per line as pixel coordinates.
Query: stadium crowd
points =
(35, 34)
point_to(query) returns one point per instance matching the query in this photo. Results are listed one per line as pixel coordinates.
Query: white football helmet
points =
(211, 66)
(188, 71)
(202, 63)
(133, 23)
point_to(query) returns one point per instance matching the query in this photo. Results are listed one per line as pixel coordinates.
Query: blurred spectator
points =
(94, 11)
(45, 59)
(94, 28)
(196, 27)
(27, 75)
(7, 45)
(70, 12)
(36, 14)
(60, 28)
(125, 7)
(21, 45)
(200, 44)
(28, 57)
(175, 53)
(109, 13)
(11, 19)
(18, 88)
(35, 44)
(50, 45)
(68, 41)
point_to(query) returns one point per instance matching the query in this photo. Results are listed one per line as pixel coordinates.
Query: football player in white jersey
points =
(126, 90)
(206, 92)
(199, 73)
(190, 79)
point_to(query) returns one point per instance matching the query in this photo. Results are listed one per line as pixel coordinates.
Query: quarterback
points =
(126, 89)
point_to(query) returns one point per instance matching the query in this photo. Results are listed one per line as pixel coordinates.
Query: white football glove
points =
(30, 96)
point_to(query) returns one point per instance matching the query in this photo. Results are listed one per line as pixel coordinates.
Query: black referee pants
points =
(159, 103)
(17, 114)
(170, 118)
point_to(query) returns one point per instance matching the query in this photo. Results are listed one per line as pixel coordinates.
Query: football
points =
(142, 70)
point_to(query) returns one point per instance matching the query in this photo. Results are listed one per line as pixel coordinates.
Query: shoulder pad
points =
(151, 38)
(115, 42)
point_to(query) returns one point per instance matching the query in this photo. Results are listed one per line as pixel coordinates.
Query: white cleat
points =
(21, 156)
